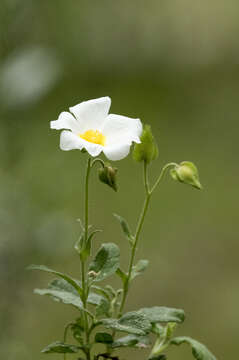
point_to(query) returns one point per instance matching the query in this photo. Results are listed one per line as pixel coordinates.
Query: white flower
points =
(93, 129)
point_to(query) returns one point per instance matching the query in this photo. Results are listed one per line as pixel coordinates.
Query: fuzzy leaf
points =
(101, 291)
(102, 304)
(70, 280)
(163, 314)
(85, 252)
(139, 268)
(131, 341)
(106, 261)
(199, 351)
(122, 275)
(103, 338)
(77, 329)
(124, 226)
(61, 290)
(61, 348)
(131, 323)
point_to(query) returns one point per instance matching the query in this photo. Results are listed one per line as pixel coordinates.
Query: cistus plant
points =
(101, 318)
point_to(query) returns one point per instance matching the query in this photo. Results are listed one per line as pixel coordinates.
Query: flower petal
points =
(116, 152)
(121, 129)
(65, 121)
(92, 113)
(70, 141)
(92, 149)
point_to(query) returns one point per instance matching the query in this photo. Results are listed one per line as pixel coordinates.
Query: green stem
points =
(83, 277)
(166, 167)
(148, 193)
(136, 237)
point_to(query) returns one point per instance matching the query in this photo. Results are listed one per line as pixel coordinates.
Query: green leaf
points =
(70, 280)
(199, 351)
(102, 291)
(85, 252)
(139, 268)
(111, 291)
(106, 261)
(79, 244)
(163, 314)
(77, 329)
(102, 304)
(122, 275)
(125, 227)
(61, 348)
(61, 290)
(131, 341)
(103, 338)
(158, 357)
(131, 323)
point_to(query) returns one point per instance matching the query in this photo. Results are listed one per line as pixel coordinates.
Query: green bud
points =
(147, 150)
(107, 175)
(187, 173)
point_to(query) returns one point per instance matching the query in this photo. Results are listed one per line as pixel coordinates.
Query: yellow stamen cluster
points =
(93, 136)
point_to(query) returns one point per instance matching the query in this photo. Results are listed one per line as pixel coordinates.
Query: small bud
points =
(92, 274)
(107, 175)
(187, 173)
(147, 150)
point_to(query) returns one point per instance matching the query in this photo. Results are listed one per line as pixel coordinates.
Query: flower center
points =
(93, 136)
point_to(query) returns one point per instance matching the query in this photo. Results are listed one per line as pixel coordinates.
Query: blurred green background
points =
(173, 64)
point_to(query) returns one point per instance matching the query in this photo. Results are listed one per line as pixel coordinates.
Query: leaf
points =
(122, 275)
(163, 314)
(79, 244)
(125, 227)
(61, 348)
(61, 290)
(139, 268)
(77, 329)
(131, 341)
(103, 338)
(199, 351)
(111, 291)
(106, 261)
(102, 304)
(102, 291)
(70, 280)
(85, 252)
(158, 357)
(131, 323)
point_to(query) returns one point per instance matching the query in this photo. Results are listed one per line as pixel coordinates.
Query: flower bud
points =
(187, 173)
(92, 274)
(107, 175)
(147, 150)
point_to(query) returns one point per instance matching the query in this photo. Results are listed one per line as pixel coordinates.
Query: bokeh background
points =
(174, 64)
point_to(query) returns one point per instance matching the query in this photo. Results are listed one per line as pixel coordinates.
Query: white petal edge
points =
(116, 152)
(92, 113)
(65, 121)
(70, 141)
(92, 149)
(121, 129)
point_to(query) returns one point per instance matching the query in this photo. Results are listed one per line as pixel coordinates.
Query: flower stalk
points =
(83, 277)
(148, 194)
